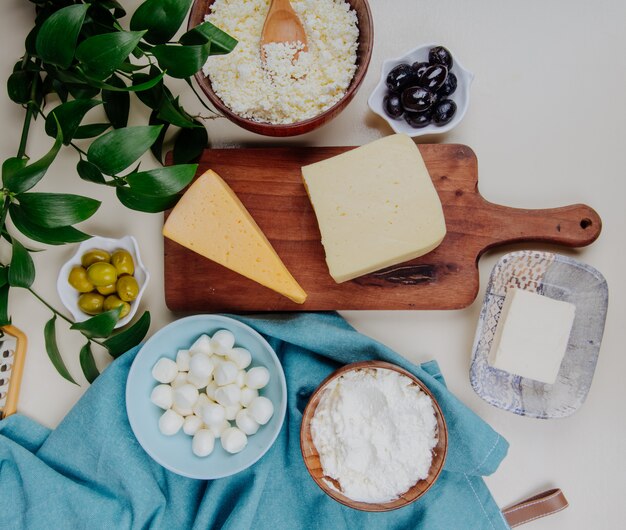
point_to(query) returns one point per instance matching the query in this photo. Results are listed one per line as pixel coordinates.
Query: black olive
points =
(449, 86)
(418, 120)
(433, 77)
(440, 55)
(417, 99)
(444, 111)
(392, 106)
(400, 77)
(419, 67)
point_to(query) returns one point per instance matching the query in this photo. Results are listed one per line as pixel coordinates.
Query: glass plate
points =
(561, 278)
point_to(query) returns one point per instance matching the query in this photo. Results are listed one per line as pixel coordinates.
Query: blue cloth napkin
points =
(90, 472)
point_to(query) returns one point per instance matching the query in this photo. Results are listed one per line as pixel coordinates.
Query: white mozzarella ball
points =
(183, 411)
(165, 370)
(240, 380)
(182, 360)
(261, 409)
(198, 382)
(213, 414)
(200, 403)
(201, 366)
(234, 440)
(203, 443)
(247, 395)
(185, 396)
(170, 422)
(226, 373)
(179, 380)
(162, 396)
(222, 342)
(217, 430)
(210, 389)
(231, 412)
(246, 422)
(257, 377)
(192, 425)
(202, 345)
(228, 395)
(241, 357)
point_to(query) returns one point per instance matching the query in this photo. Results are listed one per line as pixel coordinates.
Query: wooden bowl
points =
(312, 459)
(364, 53)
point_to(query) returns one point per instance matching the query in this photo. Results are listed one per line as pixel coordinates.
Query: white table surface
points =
(547, 133)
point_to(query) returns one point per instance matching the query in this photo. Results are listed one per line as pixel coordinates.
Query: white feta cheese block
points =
(376, 206)
(532, 335)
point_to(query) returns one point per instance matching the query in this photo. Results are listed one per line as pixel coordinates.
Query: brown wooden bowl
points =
(364, 53)
(312, 459)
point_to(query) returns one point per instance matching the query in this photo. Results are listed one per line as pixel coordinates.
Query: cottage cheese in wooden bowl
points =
(295, 91)
(373, 437)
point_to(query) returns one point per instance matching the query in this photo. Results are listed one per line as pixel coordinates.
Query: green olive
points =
(127, 288)
(91, 303)
(107, 289)
(79, 281)
(112, 301)
(123, 262)
(95, 255)
(101, 274)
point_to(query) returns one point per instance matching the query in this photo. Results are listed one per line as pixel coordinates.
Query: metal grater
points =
(12, 352)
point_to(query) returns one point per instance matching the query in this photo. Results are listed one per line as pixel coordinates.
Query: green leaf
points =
(83, 91)
(50, 236)
(49, 334)
(52, 210)
(68, 116)
(152, 81)
(102, 54)
(4, 305)
(181, 61)
(88, 364)
(122, 342)
(163, 181)
(89, 172)
(11, 166)
(157, 146)
(161, 19)
(151, 97)
(221, 42)
(116, 103)
(19, 86)
(22, 268)
(56, 40)
(100, 325)
(144, 203)
(116, 150)
(23, 179)
(91, 130)
(173, 113)
(4, 275)
(189, 144)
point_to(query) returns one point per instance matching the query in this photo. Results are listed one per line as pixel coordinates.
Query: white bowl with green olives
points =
(424, 91)
(103, 273)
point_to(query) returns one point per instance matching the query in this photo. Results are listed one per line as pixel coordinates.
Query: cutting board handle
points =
(577, 225)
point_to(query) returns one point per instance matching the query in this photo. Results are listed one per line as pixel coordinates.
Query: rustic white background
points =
(546, 120)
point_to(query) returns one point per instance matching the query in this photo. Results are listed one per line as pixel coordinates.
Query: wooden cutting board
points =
(269, 183)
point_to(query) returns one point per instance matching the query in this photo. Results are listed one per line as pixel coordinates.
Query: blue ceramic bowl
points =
(174, 452)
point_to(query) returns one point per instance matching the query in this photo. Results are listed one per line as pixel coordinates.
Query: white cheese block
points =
(376, 206)
(532, 335)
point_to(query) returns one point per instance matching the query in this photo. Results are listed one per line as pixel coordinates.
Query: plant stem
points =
(217, 114)
(60, 314)
(21, 150)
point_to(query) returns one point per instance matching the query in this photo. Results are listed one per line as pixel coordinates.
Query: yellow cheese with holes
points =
(210, 220)
(376, 206)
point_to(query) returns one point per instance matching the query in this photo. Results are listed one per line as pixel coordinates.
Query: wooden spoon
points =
(282, 25)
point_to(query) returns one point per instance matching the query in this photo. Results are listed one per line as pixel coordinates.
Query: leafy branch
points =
(78, 56)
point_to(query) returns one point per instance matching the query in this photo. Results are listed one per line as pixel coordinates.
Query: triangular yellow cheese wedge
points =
(210, 220)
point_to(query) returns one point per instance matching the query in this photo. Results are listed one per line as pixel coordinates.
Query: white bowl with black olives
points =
(424, 91)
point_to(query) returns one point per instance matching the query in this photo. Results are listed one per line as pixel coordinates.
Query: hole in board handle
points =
(585, 223)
